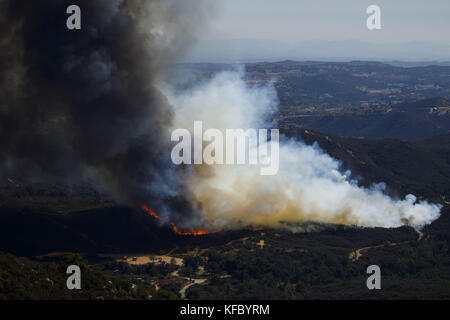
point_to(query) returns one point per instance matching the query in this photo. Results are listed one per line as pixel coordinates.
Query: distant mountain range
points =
(248, 50)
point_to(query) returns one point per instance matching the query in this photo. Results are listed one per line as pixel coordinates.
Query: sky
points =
(297, 20)
(249, 30)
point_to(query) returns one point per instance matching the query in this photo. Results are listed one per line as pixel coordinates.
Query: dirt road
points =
(192, 281)
(355, 255)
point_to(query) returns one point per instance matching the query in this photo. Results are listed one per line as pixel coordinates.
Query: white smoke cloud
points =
(309, 187)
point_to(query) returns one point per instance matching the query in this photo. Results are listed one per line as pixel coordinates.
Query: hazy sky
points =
(296, 20)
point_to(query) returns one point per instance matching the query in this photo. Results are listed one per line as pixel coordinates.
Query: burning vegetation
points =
(175, 229)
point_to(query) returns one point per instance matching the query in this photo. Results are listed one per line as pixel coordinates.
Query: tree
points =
(165, 295)
(5, 281)
(70, 258)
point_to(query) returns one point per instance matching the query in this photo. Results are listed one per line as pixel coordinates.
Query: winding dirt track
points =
(355, 255)
(193, 281)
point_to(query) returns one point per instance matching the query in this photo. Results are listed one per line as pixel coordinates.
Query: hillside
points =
(359, 99)
(239, 264)
(410, 120)
(421, 168)
(318, 86)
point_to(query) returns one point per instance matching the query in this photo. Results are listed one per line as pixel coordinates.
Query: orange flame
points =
(145, 208)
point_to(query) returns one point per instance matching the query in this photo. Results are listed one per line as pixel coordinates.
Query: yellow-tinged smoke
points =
(309, 187)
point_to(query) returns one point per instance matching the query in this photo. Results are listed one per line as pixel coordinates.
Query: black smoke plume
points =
(82, 103)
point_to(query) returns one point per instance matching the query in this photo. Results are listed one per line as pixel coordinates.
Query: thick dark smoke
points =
(82, 103)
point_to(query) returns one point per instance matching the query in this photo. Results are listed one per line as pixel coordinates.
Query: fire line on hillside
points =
(178, 231)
